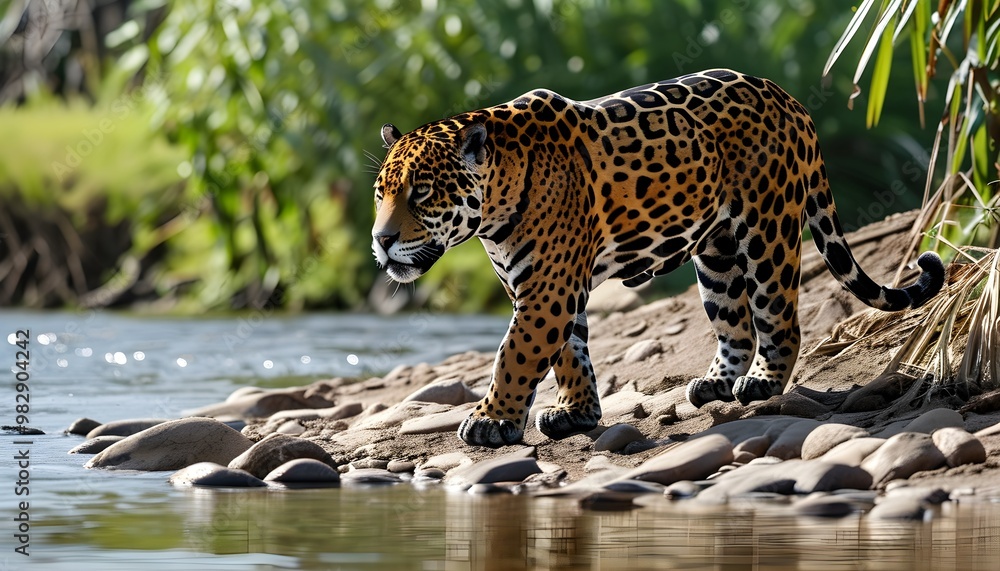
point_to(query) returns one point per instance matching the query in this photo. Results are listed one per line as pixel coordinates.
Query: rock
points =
(682, 490)
(958, 446)
(369, 463)
(544, 480)
(173, 445)
(693, 459)
(823, 505)
(397, 414)
(400, 466)
(743, 457)
(303, 470)
(264, 403)
(935, 419)
(447, 421)
(617, 437)
(788, 444)
(791, 476)
(124, 427)
(446, 461)
(338, 412)
(853, 451)
(370, 476)
(513, 467)
(489, 489)
(621, 403)
(276, 449)
(642, 350)
(826, 436)
(902, 508)
(756, 446)
(291, 428)
(445, 391)
(95, 445)
(82, 426)
(902, 456)
(796, 404)
(634, 487)
(739, 430)
(928, 495)
(607, 501)
(612, 296)
(600, 463)
(212, 474)
(429, 474)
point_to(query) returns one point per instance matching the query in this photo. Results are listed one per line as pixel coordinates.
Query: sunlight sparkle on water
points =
(352, 359)
(182, 362)
(138, 355)
(268, 364)
(305, 359)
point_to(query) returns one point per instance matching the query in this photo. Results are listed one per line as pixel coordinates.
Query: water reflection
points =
(399, 527)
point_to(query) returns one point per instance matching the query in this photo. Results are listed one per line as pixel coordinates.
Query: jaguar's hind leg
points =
(577, 408)
(723, 293)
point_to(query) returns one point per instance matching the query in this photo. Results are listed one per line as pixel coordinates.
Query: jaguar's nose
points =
(387, 240)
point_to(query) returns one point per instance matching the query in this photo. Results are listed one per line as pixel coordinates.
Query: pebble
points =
(95, 445)
(125, 427)
(935, 419)
(608, 501)
(399, 466)
(642, 350)
(212, 474)
(826, 436)
(489, 489)
(743, 457)
(791, 476)
(428, 474)
(788, 444)
(738, 431)
(818, 476)
(854, 451)
(397, 414)
(446, 461)
(291, 428)
(82, 426)
(172, 445)
(513, 467)
(369, 463)
(617, 437)
(693, 459)
(682, 490)
(445, 391)
(756, 446)
(959, 447)
(447, 421)
(635, 487)
(303, 470)
(276, 449)
(824, 505)
(339, 412)
(902, 456)
(264, 403)
(930, 495)
(370, 476)
(901, 508)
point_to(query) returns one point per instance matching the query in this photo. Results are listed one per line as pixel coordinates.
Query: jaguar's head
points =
(428, 195)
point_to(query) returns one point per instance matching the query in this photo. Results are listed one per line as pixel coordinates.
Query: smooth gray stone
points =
(513, 467)
(617, 437)
(429, 474)
(370, 476)
(172, 445)
(212, 474)
(447, 461)
(902, 456)
(694, 459)
(489, 489)
(444, 391)
(901, 508)
(635, 487)
(682, 490)
(276, 449)
(935, 419)
(854, 451)
(397, 466)
(739, 430)
(124, 427)
(303, 470)
(959, 447)
(446, 421)
(788, 444)
(82, 426)
(825, 437)
(608, 501)
(95, 445)
(824, 506)
(788, 477)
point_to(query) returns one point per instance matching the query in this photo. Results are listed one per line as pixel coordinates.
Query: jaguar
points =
(716, 167)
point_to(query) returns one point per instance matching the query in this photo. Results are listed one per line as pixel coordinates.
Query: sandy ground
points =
(644, 358)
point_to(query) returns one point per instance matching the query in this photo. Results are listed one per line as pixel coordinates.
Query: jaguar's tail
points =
(829, 239)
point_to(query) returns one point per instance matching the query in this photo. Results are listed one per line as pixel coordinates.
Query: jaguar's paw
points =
(561, 422)
(702, 391)
(493, 433)
(749, 389)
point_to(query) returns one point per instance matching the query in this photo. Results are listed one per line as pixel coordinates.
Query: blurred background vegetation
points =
(208, 155)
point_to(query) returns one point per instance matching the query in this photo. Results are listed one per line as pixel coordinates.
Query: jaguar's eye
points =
(420, 192)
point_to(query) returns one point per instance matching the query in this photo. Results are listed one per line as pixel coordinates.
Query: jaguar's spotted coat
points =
(719, 167)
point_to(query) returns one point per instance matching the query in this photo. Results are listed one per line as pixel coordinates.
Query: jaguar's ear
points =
(471, 140)
(390, 134)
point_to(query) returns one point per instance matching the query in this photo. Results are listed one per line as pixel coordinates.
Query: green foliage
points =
(964, 36)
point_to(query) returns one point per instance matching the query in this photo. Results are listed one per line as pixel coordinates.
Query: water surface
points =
(109, 366)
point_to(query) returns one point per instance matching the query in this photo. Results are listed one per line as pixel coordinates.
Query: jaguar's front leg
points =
(530, 348)
(578, 408)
